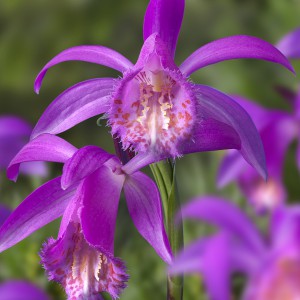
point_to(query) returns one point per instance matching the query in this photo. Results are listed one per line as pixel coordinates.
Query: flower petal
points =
(217, 105)
(211, 258)
(11, 126)
(45, 147)
(211, 135)
(78, 103)
(21, 290)
(44, 205)
(4, 213)
(289, 45)
(93, 54)
(100, 199)
(233, 47)
(164, 17)
(227, 216)
(144, 205)
(80, 166)
(230, 168)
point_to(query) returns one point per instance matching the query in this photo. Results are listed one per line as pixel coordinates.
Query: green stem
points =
(164, 174)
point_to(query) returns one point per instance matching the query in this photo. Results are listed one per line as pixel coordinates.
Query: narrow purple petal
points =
(164, 17)
(45, 147)
(11, 126)
(211, 258)
(230, 168)
(289, 45)
(217, 105)
(211, 135)
(100, 199)
(78, 103)
(144, 205)
(83, 163)
(21, 290)
(227, 216)
(233, 47)
(44, 205)
(93, 54)
(298, 154)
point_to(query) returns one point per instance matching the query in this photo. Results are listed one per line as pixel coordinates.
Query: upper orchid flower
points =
(14, 133)
(277, 130)
(87, 195)
(272, 267)
(154, 108)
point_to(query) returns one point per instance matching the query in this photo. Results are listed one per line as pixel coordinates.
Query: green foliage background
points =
(33, 31)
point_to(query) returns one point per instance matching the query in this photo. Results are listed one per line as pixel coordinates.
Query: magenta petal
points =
(227, 216)
(100, 199)
(164, 17)
(44, 205)
(93, 54)
(217, 105)
(233, 47)
(21, 290)
(80, 166)
(211, 135)
(4, 213)
(144, 205)
(289, 45)
(230, 168)
(11, 126)
(78, 103)
(45, 147)
(211, 258)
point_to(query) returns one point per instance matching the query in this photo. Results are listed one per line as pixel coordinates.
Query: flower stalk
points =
(165, 177)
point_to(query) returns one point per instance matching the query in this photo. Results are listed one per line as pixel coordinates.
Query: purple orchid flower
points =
(14, 133)
(277, 130)
(87, 195)
(154, 108)
(272, 267)
(21, 290)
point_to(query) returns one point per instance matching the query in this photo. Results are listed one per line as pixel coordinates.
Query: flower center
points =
(283, 282)
(84, 271)
(153, 110)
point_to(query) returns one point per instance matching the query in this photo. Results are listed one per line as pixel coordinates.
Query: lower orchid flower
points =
(154, 107)
(14, 133)
(272, 266)
(87, 195)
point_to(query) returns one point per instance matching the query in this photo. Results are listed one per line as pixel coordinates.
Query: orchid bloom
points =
(277, 130)
(154, 108)
(87, 195)
(272, 267)
(14, 133)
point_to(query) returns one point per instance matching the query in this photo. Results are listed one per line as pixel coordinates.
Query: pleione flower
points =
(277, 129)
(14, 133)
(87, 196)
(271, 264)
(154, 108)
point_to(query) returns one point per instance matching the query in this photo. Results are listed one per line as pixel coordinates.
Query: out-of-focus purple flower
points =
(272, 266)
(277, 130)
(14, 133)
(154, 108)
(21, 290)
(87, 195)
